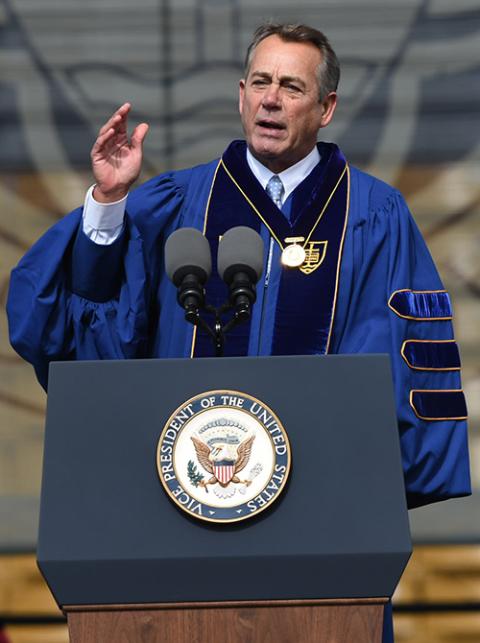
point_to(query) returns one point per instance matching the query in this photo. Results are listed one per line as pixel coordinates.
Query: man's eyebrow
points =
(283, 79)
(262, 74)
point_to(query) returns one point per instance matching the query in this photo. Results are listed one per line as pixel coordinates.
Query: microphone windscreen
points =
(187, 251)
(240, 248)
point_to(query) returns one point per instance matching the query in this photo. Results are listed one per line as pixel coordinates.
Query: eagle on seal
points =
(223, 461)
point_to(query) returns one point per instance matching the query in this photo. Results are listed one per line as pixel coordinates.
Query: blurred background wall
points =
(408, 113)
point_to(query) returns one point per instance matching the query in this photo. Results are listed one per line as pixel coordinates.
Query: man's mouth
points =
(271, 125)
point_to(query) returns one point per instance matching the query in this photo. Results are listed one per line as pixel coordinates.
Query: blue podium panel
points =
(109, 534)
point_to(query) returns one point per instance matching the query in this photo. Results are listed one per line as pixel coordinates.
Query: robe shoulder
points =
(154, 202)
(375, 197)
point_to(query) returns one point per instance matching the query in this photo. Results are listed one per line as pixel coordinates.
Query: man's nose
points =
(271, 97)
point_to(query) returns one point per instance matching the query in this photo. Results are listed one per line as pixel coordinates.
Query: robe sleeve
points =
(398, 305)
(70, 298)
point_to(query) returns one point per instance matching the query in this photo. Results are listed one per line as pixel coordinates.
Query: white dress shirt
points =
(103, 222)
(291, 177)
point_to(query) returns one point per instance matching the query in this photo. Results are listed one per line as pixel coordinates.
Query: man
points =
(346, 270)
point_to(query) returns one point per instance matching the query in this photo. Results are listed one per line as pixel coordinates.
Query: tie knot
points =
(275, 190)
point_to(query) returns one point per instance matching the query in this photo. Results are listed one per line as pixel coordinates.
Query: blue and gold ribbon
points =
(439, 404)
(421, 305)
(431, 355)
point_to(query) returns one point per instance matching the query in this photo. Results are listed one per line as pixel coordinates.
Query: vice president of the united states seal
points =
(223, 456)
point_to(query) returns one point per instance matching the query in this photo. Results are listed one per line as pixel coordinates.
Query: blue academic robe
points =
(73, 299)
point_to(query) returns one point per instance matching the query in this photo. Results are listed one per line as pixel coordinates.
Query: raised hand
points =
(116, 159)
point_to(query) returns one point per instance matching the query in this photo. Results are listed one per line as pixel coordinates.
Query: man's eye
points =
(292, 88)
(259, 83)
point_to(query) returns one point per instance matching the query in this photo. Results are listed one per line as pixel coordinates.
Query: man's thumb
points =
(138, 135)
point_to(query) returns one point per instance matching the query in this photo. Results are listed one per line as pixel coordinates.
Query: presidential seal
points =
(223, 456)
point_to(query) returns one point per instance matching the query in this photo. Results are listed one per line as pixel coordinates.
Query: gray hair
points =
(328, 73)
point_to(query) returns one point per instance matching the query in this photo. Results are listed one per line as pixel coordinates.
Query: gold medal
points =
(293, 255)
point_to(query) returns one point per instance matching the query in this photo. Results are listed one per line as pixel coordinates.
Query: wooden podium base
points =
(313, 621)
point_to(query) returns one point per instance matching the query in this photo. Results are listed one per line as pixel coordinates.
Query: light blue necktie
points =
(275, 190)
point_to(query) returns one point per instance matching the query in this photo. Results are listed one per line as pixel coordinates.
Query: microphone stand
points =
(218, 332)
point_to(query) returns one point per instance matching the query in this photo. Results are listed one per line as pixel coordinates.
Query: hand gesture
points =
(116, 160)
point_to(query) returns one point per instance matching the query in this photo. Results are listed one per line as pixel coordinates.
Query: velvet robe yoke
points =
(299, 320)
(72, 299)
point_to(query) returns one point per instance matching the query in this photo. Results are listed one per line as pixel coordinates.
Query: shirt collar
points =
(291, 177)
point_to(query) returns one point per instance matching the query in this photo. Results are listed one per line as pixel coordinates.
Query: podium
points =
(126, 564)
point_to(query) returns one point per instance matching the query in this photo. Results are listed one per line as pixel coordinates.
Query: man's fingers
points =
(139, 134)
(112, 122)
(118, 119)
(101, 141)
(116, 133)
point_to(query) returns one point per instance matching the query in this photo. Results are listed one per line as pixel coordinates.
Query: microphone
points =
(240, 265)
(188, 264)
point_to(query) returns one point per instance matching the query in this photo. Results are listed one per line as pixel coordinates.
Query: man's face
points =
(279, 105)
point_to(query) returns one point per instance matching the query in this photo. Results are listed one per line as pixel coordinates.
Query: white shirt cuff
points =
(103, 222)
